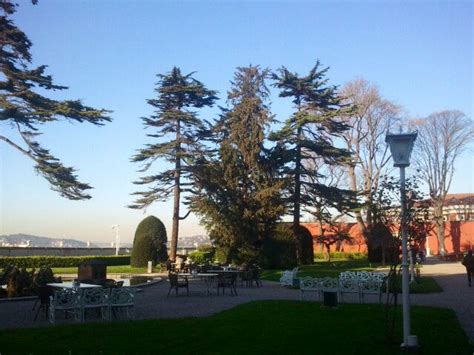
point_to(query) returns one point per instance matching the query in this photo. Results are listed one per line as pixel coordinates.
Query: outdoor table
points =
(208, 277)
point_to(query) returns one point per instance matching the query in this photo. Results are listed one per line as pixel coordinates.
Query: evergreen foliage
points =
(307, 134)
(179, 133)
(59, 261)
(305, 243)
(149, 243)
(279, 250)
(239, 189)
(24, 108)
(43, 276)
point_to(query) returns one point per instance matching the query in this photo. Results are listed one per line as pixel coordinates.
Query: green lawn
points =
(333, 269)
(285, 327)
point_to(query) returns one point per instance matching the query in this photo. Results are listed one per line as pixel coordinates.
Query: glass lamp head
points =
(401, 146)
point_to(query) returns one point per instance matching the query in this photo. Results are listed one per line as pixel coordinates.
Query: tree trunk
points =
(384, 253)
(439, 222)
(412, 264)
(296, 199)
(176, 193)
(328, 248)
(358, 215)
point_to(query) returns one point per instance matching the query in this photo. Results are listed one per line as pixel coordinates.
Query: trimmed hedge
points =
(149, 243)
(279, 251)
(305, 239)
(341, 255)
(60, 261)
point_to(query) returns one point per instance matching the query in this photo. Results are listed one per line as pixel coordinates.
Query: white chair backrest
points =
(122, 296)
(309, 283)
(94, 296)
(329, 284)
(65, 298)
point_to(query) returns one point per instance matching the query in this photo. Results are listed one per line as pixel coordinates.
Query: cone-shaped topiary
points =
(305, 240)
(149, 243)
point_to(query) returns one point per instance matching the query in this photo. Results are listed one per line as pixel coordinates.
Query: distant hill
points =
(33, 241)
(192, 241)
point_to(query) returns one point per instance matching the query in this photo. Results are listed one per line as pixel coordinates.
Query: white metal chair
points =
(310, 284)
(122, 300)
(329, 284)
(288, 277)
(372, 285)
(67, 300)
(349, 283)
(95, 298)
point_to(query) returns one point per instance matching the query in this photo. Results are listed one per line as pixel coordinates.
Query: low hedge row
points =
(340, 255)
(60, 261)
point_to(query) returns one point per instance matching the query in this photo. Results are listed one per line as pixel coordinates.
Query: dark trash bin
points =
(330, 299)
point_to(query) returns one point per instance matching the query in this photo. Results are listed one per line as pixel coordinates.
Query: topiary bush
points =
(279, 251)
(303, 235)
(149, 243)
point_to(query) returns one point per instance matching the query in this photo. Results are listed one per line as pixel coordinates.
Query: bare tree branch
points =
(442, 138)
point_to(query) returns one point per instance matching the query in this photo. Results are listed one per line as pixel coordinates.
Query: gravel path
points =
(153, 303)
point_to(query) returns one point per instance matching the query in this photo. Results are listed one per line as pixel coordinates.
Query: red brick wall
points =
(459, 237)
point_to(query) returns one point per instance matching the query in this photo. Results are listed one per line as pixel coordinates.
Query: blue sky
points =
(108, 53)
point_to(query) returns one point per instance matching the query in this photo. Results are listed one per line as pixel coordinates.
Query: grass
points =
(263, 327)
(333, 269)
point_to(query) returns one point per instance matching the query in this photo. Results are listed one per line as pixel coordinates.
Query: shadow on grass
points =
(263, 327)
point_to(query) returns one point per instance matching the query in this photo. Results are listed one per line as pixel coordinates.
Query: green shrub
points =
(149, 243)
(20, 282)
(305, 239)
(206, 248)
(279, 251)
(221, 255)
(43, 276)
(341, 255)
(59, 261)
(202, 257)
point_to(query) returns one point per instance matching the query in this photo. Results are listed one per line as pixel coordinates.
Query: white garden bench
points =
(287, 278)
(310, 284)
(361, 283)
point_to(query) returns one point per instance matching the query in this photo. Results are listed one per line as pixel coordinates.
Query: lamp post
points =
(117, 238)
(401, 146)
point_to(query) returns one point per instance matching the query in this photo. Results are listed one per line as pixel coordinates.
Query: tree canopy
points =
(25, 109)
(239, 191)
(179, 132)
(309, 133)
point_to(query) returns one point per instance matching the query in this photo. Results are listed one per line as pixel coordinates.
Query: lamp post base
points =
(411, 345)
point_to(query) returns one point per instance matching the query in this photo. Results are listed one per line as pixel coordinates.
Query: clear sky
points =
(108, 53)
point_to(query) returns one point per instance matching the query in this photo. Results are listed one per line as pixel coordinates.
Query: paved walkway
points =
(451, 276)
(153, 303)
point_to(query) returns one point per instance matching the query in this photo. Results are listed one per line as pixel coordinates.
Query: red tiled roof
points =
(454, 199)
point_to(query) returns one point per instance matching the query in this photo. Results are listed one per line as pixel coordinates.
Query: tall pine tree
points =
(239, 197)
(308, 133)
(25, 109)
(179, 131)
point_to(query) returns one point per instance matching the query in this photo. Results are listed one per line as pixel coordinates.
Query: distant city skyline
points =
(419, 53)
